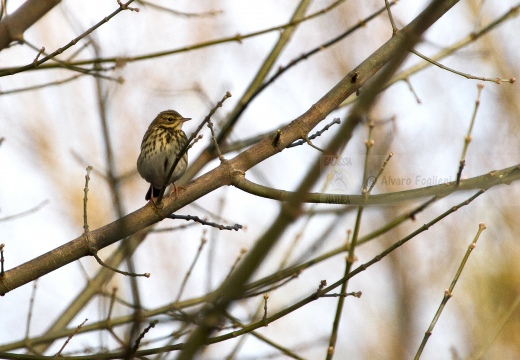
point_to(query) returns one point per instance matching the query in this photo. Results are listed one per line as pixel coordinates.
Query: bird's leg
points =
(152, 199)
(175, 190)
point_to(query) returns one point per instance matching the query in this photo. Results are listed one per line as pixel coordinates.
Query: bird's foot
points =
(175, 190)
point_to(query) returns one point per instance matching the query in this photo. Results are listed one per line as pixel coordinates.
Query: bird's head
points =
(170, 119)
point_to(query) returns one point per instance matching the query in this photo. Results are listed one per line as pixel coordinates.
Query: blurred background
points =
(51, 133)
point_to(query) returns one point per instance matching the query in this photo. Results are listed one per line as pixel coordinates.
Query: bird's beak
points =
(185, 119)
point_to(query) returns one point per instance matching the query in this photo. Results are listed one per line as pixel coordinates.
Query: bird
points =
(161, 144)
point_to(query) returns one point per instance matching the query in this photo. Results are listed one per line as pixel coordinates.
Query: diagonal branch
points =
(73, 42)
(393, 53)
(13, 26)
(224, 173)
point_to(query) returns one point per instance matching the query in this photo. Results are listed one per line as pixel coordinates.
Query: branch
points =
(391, 55)
(26, 212)
(13, 26)
(486, 181)
(235, 38)
(235, 227)
(73, 42)
(222, 175)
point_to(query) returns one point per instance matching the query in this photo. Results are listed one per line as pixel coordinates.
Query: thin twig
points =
(449, 292)
(270, 286)
(392, 22)
(203, 242)
(498, 327)
(306, 139)
(263, 70)
(409, 83)
(215, 143)
(93, 251)
(263, 283)
(41, 86)
(237, 260)
(462, 164)
(211, 254)
(143, 333)
(353, 293)
(2, 272)
(58, 354)
(369, 144)
(315, 135)
(85, 199)
(179, 13)
(172, 228)
(467, 138)
(235, 38)
(31, 307)
(69, 45)
(471, 38)
(126, 7)
(235, 227)
(497, 80)
(214, 215)
(41, 51)
(126, 273)
(79, 50)
(94, 72)
(282, 349)
(26, 212)
(117, 299)
(349, 261)
(323, 288)
(266, 297)
(381, 169)
(321, 47)
(112, 302)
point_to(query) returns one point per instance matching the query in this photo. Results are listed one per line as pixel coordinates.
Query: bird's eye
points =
(170, 119)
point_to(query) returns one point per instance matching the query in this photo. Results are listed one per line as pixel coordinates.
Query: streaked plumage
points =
(161, 143)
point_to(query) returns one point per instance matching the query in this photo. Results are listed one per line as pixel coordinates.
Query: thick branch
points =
(222, 175)
(486, 181)
(13, 26)
(393, 52)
